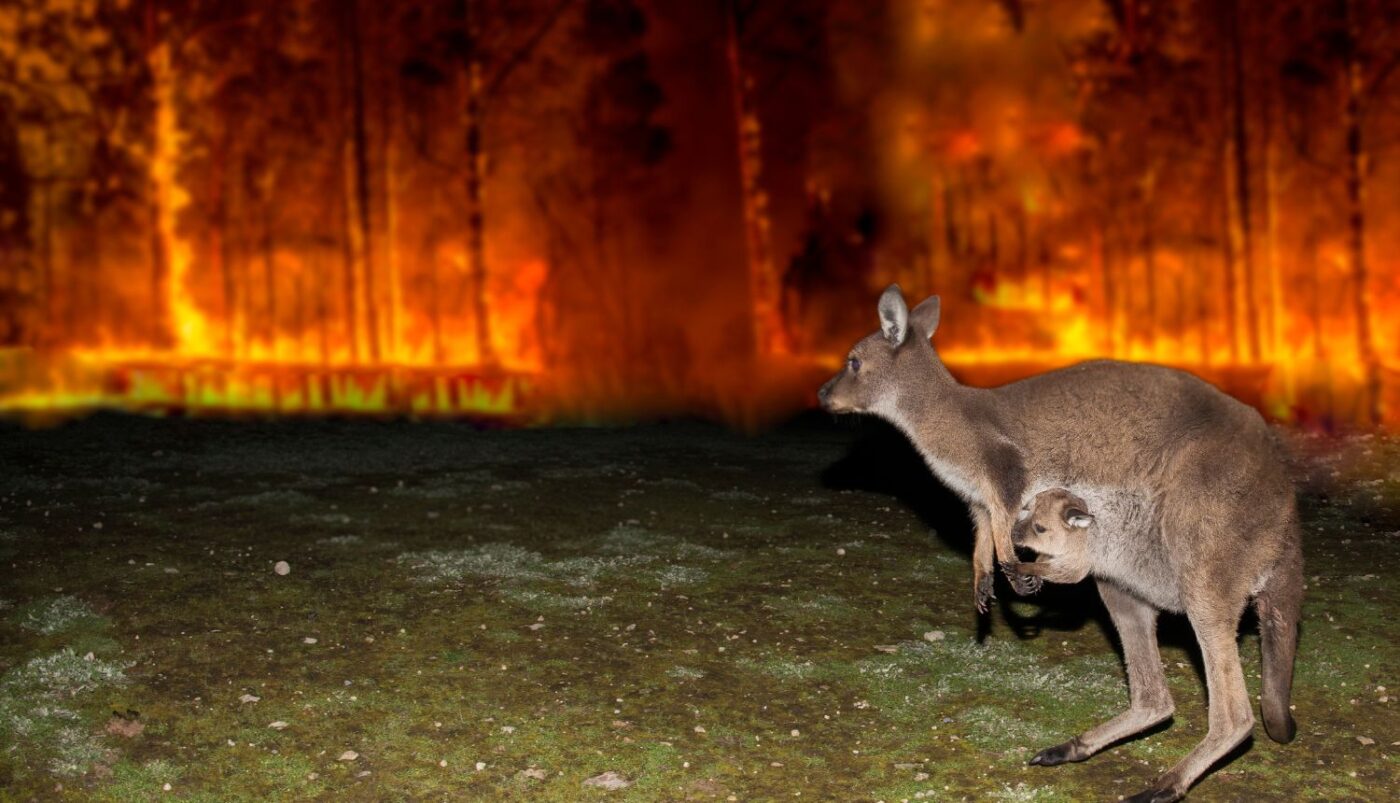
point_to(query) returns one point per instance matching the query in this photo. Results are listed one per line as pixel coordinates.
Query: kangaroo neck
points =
(948, 422)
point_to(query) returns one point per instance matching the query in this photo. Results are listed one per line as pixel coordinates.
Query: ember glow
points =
(545, 209)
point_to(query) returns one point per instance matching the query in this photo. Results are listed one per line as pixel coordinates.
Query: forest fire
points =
(579, 208)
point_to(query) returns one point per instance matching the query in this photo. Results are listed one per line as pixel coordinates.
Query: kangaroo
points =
(1191, 481)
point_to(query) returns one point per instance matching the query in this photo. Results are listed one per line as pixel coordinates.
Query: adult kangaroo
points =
(1196, 477)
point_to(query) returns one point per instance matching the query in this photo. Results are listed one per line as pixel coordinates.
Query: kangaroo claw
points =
(983, 594)
(1059, 754)
(1022, 584)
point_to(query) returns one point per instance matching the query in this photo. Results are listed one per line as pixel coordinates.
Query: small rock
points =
(249, 698)
(278, 725)
(1366, 741)
(348, 755)
(841, 550)
(480, 765)
(282, 568)
(442, 763)
(906, 766)
(507, 729)
(699, 728)
(921, 776)
(167, 787)
(537, 625)
(308, 640)
(534, 773)
(795, 732)
(934, 635)
(889, 648)
(608, 780)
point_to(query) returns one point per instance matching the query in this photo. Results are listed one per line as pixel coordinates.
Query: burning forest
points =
(581, 208)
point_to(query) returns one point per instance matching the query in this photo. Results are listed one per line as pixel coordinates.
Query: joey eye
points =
(1040, 528)
(853, 363)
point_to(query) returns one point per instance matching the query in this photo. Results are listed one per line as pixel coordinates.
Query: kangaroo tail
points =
(1278, 606)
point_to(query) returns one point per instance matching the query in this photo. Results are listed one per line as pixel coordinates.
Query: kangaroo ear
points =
(925, 316)
(894, 315)
(1075, 517)
(1024, 514)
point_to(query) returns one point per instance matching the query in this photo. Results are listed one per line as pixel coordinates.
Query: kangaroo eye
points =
(1040, 528)
(853, 363)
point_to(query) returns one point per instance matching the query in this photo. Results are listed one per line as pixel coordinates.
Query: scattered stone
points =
(507, 729)
(841, 550)
(889, 648)
(308, 640)
(249, 698)
(699, 728)
(278, 725)
(906, 766)
(537, 625)
(934, 635)
(608, 780)
(921, 776)
(480, 765)
(282, 568)
(533, 773)
(1366, 741)
(348, 755)
(796, 732)
(167, 787)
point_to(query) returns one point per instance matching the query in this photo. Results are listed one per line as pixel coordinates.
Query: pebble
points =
(278, 725)
(348, 755)
(480, 765)
(934, 635)
(248, 698)
(1366, 741)
(608, 780)
(282, 568)
(308, 640)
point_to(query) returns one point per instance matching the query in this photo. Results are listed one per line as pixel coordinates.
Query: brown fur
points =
(1189, 491)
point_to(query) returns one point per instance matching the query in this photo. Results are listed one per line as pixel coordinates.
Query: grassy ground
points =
(506, 615)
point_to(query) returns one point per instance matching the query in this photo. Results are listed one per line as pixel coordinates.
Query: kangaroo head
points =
(1053, 523)
(887, 364)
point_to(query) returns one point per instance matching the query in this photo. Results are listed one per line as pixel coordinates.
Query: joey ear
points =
(894, 315)
(1075, 517)
(1024, 514)
(925, 316)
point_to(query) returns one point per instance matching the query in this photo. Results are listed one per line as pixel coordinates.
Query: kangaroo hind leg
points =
(1136, 623)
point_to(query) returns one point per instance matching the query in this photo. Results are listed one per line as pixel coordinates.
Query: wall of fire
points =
(543, 208)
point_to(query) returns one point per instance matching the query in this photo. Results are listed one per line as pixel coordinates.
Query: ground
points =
(494, 614)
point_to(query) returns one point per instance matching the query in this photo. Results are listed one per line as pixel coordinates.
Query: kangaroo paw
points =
(1022, 584)
(1155, 796)
(982, 592)
(1060, 754)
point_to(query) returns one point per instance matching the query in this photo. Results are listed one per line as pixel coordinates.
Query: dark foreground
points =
(509, 614)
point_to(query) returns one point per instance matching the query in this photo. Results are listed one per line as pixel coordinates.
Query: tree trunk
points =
(765, 285)
(1242, 228)
(476, 222)
(363, 222)
(1357, 165)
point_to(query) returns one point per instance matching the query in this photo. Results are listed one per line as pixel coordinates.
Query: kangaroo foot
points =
(982, 593)
(1155, 796)
(1022, 584)
(1073, 750)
